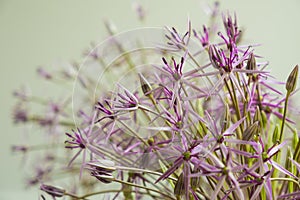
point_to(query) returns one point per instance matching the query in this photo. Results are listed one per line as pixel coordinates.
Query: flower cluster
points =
(200, 124)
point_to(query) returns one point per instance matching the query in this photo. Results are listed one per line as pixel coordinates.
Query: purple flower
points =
(231, 29)
(176, 41)
(76, 140)
(175, 69)
(125, 100)
(107, 110)
(20, 148)
(202, 125)
(44, 74)
(204, 38)
(20, 115)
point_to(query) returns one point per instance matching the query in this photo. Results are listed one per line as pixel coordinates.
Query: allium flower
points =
(126, 101)
(206, 122)
(76, 142)
(43, 73)
(20, 115)
(204, 38)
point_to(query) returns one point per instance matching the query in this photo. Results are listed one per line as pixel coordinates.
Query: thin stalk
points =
(284, 115)
(102, 192)
(286, 179)
(117, 158)
(37, 119)
(162, 133)
(239, 133)
(133, 132)
(145, 188)
(236, 104)
(194, 125)
(143, 171)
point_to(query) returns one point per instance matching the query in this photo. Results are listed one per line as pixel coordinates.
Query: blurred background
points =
(41, 32)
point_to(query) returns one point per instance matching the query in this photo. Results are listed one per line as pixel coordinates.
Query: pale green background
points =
(38, 32)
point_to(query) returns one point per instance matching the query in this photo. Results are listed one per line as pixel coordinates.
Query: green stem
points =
(284, 115)
(143, 171)
(236, 104)
(286, 179)
(239, 133)
(145, 188)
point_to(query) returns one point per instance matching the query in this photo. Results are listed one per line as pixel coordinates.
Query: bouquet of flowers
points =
(159, 114)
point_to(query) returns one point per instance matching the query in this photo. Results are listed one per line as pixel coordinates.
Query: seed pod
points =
(292, 80)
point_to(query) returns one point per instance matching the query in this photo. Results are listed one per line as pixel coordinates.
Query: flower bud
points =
(251, 64)
(146, 87)
(53, 191)
(103, 177)
(292, 80)
(251, 131)
(102, 170)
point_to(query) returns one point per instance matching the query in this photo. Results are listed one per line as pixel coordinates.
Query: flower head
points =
(75, 141)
